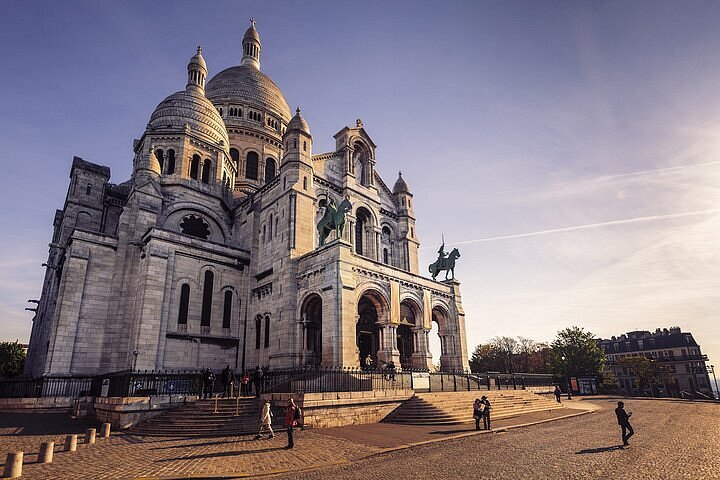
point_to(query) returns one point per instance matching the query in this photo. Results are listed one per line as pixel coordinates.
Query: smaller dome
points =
(197, 59)
(298, 123)
(251, 34)
(192, 109)
(400, 185)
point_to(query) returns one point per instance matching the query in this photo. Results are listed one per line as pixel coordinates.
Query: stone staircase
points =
(452, 408)
(198, 419)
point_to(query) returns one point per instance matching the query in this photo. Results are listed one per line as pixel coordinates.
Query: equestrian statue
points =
(333, 219)
(444, 262)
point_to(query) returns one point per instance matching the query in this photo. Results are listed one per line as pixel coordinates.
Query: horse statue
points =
(444, 263)
(333, 219)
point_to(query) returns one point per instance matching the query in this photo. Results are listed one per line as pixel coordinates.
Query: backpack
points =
(298, 413)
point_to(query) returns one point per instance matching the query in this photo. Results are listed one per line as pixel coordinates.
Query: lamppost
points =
(135, 354)
(717, 392)
(567, 374)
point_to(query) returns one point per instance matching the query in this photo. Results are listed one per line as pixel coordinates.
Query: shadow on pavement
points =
(223, 454)
(599, 450)
(43, 424)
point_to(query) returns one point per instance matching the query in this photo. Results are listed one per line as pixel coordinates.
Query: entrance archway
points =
(368, 332)
(312, 319)
(406, 334)
(440, 318)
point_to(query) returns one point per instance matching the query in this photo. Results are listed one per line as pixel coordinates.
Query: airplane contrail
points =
(588, 226)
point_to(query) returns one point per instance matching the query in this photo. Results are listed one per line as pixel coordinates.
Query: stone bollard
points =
(105, 430)
(71, 443)
(13, 465)
(46, 452)
(89, 436)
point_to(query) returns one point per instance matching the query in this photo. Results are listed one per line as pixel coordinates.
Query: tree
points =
(647, 372)
(12, 358)
(506, 347)
(526, 347)
(575, 352)
(486, 358)
(538, 359)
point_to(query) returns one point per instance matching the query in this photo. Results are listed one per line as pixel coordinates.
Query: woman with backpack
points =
(292, 415)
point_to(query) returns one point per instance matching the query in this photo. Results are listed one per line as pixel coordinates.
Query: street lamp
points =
(567, 374)
(135, 354)
(717, 392)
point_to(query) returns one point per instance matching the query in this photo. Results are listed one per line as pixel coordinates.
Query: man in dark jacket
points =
(486, 412)
(208, 381)
(228, 378)
(258, 380)
(623, 419)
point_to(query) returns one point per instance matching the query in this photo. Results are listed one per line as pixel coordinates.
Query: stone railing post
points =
(70, 443)
(89, 436)
(105, 430)
(46, 452)
(13, 465)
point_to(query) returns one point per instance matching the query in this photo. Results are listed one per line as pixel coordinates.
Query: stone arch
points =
(83, 221)
(373, 310)
(449, 346)
(364, 231)
(170, 219)
(312, 321)
(411, 322)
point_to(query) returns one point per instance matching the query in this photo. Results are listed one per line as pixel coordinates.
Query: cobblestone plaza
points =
(674, 440)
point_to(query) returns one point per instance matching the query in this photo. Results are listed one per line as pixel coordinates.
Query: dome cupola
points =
(298, 123)
(251, 47)
(400, 185)
(197, 71)
(190, 111)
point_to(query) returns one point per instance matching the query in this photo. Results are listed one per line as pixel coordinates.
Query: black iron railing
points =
(292, 380)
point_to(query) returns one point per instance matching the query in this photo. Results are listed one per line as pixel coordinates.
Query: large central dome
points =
(246, 84)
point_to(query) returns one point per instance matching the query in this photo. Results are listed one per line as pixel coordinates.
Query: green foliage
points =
(574, 352)
(647, 371)
(508, 355)
(12, 359)
(486, 358)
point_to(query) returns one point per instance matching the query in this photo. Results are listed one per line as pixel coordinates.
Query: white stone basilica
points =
(210, 254)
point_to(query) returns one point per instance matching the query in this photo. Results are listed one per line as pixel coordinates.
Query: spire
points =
(400, 185)
(197, 71)
(251, 47)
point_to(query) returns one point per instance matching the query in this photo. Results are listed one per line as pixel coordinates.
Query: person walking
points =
(623, 419)
(486, 412)
(291, 417)
(265, 421)
(244, 384)
(477, 412)
(208, 383)
(258, 380)
(228, 379)
(557, 393)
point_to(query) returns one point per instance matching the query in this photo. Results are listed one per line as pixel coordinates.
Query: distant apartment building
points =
(676, 354)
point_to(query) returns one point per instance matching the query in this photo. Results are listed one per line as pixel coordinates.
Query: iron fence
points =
(292, 380)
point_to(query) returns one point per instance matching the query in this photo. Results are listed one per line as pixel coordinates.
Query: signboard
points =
(420, 381)
(104, 389)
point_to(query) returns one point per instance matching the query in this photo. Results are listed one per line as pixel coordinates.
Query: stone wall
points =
(124, 412)
(37, 405)
(336, 409)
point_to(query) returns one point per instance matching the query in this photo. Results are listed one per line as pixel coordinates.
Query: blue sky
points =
(571, 150)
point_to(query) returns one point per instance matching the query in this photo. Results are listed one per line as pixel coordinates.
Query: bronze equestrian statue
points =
(333, 219)
(444, 262)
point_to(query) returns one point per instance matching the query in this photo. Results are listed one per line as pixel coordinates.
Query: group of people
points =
(293, 416)
(230, 382)
(481, 411)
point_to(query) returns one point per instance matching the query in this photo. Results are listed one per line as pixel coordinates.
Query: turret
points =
(298, 141)
(406, 221)
(197, 71)
(251, 47)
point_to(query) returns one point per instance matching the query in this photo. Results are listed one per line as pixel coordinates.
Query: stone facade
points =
(209, 254)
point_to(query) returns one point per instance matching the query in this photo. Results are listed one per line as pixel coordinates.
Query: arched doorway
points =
(440, 318)
(368, 332)
(312, 320)
(406, 334)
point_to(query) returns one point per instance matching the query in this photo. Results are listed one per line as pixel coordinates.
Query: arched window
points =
(276, 226)
(304, 183)
(184, 303)
(269, 169)
(258, 331)
(267, 331)
(88, 189)
(385, 256)
(206, 171)
(270, 227)
(235, 155)
(160, 158)
(170, 162)
(362, 221)
(251, 166)
(195, 167)
(227, 309)
(207, 299)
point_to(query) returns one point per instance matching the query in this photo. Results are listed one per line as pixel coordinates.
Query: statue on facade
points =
(445, 262)
(333, 219)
